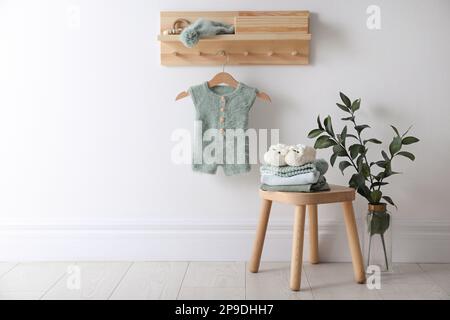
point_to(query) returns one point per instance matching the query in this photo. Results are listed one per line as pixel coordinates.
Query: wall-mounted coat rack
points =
(261, 37)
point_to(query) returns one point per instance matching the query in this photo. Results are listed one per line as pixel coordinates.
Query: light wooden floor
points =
(213, 280)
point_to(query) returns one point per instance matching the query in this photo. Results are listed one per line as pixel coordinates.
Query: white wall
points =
(86, 118)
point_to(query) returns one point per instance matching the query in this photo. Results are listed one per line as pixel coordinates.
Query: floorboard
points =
(214, 280)
(440, 274)
(31, 280)
(5, 267)
(272, 283)
(335, 281)
(97, 281)
(150, 281)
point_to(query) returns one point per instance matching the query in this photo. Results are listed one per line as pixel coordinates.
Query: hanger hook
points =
(224, 53)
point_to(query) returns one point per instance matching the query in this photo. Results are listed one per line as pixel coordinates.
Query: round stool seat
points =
(335, 194)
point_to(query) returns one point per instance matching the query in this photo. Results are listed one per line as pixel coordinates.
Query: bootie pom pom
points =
(189, 37)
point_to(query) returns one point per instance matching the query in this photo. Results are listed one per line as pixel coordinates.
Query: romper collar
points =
(210, 91)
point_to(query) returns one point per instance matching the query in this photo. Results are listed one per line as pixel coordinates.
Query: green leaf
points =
(375, 196)
(376, 141)
(319, 124)
(365, 192)
(356, 181)
(388, 171)
(352, 136)
(342, 107)
(322, 138)
(314, 133)
(359, 162)
(395, 130)
(345, 100)
(385, 156)
(324, 142)
(343, 135)
(380, 176)
(343, 165)
(389, 200)
(395, 145)
(378, 184)
(381, 164)
(339, 150)
(329, 126)
(365, 170)
(355, 105)
(333, 159)
(356, 149)
(361, 127)
(410, 140)
(348, 118)
(407, 154)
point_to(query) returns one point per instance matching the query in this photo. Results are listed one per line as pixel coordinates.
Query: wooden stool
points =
(336, 194)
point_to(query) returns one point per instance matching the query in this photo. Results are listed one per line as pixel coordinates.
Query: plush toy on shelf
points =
(203, 28)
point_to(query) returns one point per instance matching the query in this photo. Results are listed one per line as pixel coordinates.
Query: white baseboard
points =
(421, 240)
(414, 241)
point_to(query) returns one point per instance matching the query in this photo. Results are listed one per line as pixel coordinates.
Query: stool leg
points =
(260, 235)
(313, 234)
(297, 248)
(353, 242)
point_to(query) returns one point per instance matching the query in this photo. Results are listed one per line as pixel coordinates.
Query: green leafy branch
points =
(365, 180)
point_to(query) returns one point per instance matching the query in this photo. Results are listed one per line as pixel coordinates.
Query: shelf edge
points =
(244, 37)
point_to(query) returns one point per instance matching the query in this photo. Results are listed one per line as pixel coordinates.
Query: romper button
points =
(222, 99)
(221, 130)
(222, 109)
(222, 120)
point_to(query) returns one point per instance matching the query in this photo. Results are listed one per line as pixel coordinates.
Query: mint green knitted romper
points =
(222, 108)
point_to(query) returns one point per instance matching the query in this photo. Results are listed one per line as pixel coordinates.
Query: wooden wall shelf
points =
(262, 37)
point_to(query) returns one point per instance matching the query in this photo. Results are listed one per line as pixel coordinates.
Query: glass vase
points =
(378, 237)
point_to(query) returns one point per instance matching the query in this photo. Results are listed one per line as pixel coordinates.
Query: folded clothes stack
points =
(293, 169)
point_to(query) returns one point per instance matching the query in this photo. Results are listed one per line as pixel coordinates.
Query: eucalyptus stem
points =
(346, 153)
(381, 180)
(365, 157)
(384, 250)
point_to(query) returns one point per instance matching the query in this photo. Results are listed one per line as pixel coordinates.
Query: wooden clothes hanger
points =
(226, 78)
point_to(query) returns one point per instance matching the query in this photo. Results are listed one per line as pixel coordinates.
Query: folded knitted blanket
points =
(321, 185)
(304, 178)
(287, 171)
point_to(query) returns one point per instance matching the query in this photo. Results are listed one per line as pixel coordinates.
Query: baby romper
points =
(222, 108)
